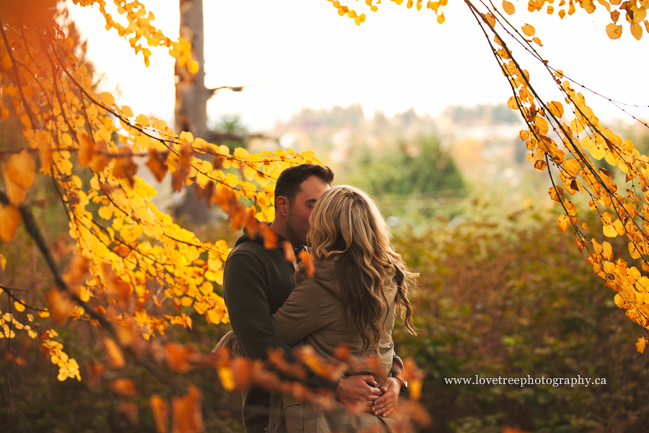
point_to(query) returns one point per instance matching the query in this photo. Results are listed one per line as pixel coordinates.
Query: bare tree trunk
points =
(191, 98)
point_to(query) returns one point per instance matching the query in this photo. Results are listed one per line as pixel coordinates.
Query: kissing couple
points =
(359, 286)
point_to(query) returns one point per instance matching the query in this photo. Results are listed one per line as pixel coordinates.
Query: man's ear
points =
(281, 206)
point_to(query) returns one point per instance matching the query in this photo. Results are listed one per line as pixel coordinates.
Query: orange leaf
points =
(114, 353)
(241, 372)
(508, 7)
(21, 169)
(78, 271)
(115, 286)
(99, 160)
(15, 193)
(289, 254)
(270, 237)
(157, 163)
(160, 413)
(641, 344)
(528, 30)
(123, 387)
(176, 355)
(307, 261)
(59, 304)
(563, 222)
(184, 166)
(10, 219)
(124, 167)
(414, 376)
(86, 150)
(556, 108)
(555, 193)
(613, 31)
(187, 414)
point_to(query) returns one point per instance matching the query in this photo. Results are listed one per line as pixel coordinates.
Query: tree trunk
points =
(191, 99)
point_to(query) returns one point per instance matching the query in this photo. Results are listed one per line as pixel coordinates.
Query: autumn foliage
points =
(130, 257)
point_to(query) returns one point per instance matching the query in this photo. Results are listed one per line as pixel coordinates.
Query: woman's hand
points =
(355, 389)
(385, 405)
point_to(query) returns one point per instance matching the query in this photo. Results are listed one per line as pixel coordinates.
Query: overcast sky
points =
(300, 53)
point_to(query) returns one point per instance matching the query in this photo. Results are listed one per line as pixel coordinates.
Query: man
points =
(257, 281)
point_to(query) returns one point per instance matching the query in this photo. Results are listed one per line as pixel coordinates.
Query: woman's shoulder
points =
(322, 270)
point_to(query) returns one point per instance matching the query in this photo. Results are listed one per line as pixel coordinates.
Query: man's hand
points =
(385, 405)
(355, 389)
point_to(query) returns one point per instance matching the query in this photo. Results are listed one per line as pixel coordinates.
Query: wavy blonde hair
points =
(346, 225)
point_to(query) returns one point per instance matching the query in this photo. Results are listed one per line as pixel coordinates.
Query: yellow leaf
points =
(508, 7)
(636, 31)
(537, 41)
(607, 250)
(193, 66)
(528, 30)
(609, 231)
(440, 18)
(576, 126)
(556, 108)
(563, 222)
(3, 262)
(613, 31)
(598, 152)
(587, 142)
(542, 125)
(19, 307)
(570, 207)
(241, 153)
(619, 227)
(105, 212)
(142, 120)
(572, 166)
(107, 98)
(127, 111)
(634, 251)
(186, 136)
(640, 345)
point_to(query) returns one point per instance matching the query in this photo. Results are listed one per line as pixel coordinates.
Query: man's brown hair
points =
(290, 180)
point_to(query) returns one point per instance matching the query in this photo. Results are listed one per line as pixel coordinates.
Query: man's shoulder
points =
(249, 248)
(254, 250)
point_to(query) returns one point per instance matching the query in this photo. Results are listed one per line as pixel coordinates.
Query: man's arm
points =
(245, 294)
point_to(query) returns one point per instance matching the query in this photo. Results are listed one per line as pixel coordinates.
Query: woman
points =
(352, 299)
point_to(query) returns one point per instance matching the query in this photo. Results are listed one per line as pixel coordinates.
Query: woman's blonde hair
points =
(346, 225)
